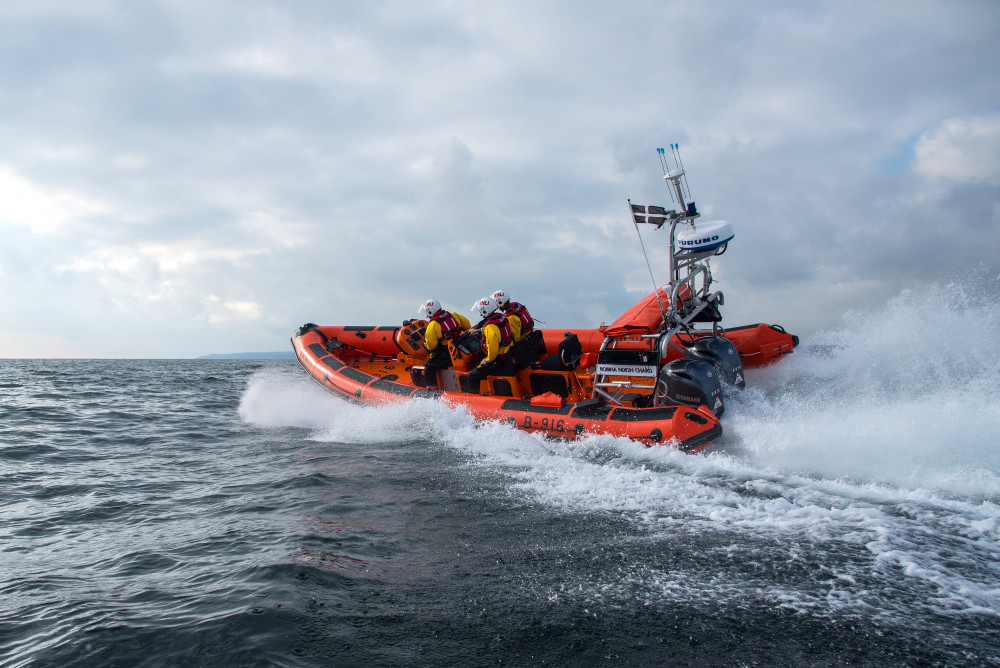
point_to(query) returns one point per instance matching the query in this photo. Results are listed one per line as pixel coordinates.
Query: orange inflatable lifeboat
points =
(659, 374)
(382, 365)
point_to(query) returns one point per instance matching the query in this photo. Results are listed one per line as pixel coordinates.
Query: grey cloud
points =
(247, 166)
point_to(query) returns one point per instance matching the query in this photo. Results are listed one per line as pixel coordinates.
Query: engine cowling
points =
(723, 355)
(689, 381)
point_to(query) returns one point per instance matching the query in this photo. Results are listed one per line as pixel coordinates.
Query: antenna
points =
(666, 169)
(676, 148)
(677, 181)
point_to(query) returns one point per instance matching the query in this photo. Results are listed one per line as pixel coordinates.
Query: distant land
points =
(283, 355)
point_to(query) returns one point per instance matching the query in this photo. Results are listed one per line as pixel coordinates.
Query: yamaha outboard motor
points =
(689, 381)
(722, 354)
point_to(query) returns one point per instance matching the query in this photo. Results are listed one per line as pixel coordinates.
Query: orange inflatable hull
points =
(364, 365)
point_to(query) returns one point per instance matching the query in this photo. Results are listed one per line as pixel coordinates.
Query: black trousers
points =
(501, 366)
(526, 351)
(439, 359)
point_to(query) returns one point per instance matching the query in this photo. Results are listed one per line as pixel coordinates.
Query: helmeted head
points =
(485, 307)
(429, 308)
(501, 298)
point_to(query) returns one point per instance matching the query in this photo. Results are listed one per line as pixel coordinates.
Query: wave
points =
(903, 394)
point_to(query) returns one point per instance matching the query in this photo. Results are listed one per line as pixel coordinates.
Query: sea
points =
(233, 513)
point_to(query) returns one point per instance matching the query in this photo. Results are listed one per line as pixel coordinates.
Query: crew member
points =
(524, 324)
(497, 338)
(442, 326)
(528, 344)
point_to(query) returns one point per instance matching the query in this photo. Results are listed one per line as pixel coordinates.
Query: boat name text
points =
(648, 370)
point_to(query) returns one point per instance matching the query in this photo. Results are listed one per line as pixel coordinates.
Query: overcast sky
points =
(180, 178)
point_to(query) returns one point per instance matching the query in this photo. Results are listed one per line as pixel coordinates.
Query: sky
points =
(181, 178)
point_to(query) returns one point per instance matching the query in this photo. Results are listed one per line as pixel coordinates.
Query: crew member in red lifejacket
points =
(442, 326)
(497, 338)
(529, 345)
(524, 324)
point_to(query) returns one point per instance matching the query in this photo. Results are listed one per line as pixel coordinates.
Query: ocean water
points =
(207, 513)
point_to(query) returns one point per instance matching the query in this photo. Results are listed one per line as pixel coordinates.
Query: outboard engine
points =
(722, 354)
(689, 381)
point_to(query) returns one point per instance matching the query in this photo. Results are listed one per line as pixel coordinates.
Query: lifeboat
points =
(659, 374)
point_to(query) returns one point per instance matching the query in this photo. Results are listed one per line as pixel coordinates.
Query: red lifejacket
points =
(449, 327)
(527, 324)
(500, 320)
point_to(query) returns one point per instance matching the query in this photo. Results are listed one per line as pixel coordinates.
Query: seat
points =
(566, 357)
(548, 381)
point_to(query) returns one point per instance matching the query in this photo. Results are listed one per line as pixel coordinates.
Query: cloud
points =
(961, 149)
(198, 177)
(23, 203)
(232, 311)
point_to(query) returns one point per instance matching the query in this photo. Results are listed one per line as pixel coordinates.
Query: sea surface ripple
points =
(196, 513)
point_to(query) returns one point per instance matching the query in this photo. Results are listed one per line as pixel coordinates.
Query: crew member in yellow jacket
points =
(529, 345)
(442, 326)
(520, 320)
(497, 335)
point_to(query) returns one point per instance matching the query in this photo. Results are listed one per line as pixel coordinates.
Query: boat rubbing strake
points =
(658, 374)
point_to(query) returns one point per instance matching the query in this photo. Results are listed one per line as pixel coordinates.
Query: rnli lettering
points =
(648, 370)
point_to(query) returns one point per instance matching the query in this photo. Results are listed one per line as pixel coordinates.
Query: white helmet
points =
(429, 308)
(502, 298)
(485, 306)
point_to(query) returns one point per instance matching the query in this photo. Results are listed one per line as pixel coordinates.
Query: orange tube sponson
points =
(761, 344)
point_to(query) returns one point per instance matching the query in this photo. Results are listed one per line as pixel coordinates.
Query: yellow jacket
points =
(515, 327)
(491, 334)
(432, 335)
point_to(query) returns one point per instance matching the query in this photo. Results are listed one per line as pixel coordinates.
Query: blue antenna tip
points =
(659, 150)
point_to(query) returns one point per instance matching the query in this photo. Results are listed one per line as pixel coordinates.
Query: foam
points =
(277, 397)
(903, 395)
